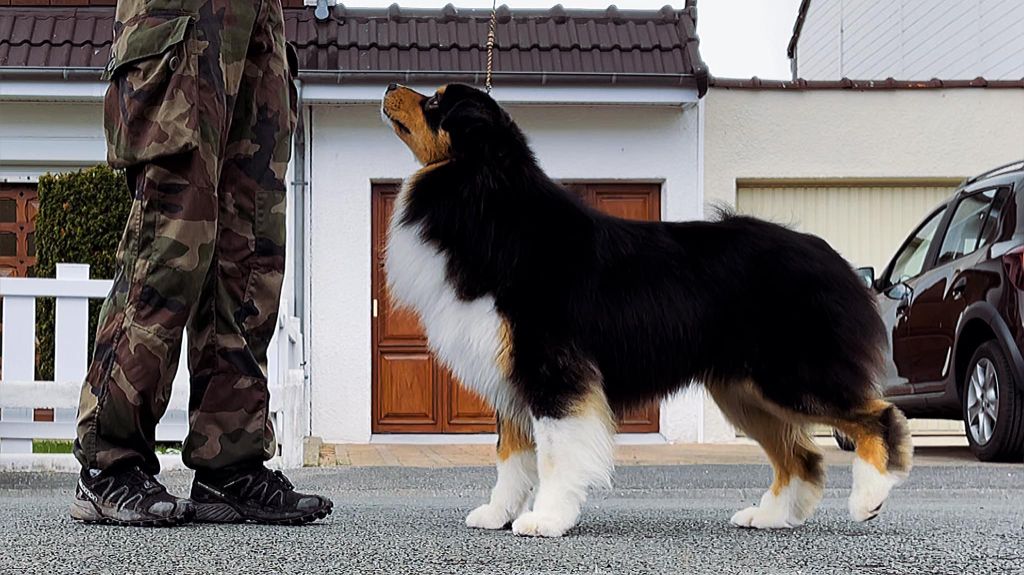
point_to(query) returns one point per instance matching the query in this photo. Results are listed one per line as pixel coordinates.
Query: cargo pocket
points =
(150, 107)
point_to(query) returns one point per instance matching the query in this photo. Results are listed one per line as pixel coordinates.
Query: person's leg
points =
(163, 258)
(230, 333)
(231, 434)
(164, 128)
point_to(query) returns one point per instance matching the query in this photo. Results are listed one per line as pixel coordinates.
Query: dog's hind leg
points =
(517, 475)
(574, 453)
(799, 477)
(884, 455)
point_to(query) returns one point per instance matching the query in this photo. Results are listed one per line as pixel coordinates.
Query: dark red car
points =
(953, 301)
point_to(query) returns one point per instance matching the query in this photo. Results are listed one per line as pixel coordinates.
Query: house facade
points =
(893, 103)
(908, 40)
(611, 101)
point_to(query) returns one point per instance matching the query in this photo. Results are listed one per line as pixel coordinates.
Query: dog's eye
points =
(432, 103)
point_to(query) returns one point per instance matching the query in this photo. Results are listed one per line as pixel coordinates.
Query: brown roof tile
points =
(549, 46)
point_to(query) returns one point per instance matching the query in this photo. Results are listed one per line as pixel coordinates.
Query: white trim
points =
(608, 95)
(51, 91)
(317, 93)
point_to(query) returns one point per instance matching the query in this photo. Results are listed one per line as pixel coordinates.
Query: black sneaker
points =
(127, 496)
(259, 496)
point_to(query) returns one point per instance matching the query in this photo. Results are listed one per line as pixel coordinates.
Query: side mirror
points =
(867, 275)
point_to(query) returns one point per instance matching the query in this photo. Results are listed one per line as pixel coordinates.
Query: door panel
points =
(412, 392)
(467, 412)
(406, 391)
(922, 344)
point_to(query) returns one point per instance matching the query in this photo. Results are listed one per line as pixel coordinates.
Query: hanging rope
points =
(490, 45)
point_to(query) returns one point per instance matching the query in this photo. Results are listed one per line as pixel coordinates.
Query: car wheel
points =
(993, 406)
(844, 443)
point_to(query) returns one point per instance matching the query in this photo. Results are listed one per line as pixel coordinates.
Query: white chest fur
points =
(464, 335)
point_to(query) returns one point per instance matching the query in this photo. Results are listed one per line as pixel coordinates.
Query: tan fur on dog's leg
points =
(799, 477)
(884, 455)
(574, 453)
(517, 475)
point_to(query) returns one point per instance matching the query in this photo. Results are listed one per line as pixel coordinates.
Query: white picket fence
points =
(20, 394)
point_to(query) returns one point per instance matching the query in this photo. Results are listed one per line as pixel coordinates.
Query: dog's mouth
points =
(402, 128)
(399, 126)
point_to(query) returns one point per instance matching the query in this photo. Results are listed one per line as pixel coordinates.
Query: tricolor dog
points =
(561, 318)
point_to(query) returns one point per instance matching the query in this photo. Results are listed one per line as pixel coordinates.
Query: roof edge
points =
(798, 27)
(557, 12)
(378, 76)
(801, 84)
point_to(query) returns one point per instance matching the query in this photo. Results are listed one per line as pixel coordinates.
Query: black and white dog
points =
(561, 317)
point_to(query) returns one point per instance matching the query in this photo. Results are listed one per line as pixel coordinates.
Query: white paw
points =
(767, 517)
(870, 490)
(533, 524)
(488, 516)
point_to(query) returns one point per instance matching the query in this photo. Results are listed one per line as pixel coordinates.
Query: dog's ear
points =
(467, 120)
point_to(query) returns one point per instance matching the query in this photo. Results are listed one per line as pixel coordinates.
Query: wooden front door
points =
(19, 204)
(414, 393)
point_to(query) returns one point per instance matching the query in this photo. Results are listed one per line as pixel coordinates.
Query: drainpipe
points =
(299, 187)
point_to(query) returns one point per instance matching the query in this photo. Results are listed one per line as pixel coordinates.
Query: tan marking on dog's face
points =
(405, 108)
(512, 439)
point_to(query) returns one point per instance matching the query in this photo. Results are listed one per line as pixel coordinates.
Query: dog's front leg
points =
(517, 475)
(574, 453)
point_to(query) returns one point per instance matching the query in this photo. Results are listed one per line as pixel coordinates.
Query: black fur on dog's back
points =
(651, 306)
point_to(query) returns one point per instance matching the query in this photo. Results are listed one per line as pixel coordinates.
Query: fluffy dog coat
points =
(561, 317)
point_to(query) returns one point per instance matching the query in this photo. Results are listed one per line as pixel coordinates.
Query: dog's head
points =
(457, 120)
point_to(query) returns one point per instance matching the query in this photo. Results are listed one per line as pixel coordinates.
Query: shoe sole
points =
(224, 513)
(87, 512)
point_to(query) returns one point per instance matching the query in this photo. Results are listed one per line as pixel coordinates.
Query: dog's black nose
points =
(392, 86)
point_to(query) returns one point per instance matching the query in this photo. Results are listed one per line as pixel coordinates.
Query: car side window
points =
(910, 260)
(969, 228)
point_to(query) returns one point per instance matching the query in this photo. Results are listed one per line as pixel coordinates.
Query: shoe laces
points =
(278, 479)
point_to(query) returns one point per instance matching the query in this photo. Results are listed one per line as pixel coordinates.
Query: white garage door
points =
(865, 221)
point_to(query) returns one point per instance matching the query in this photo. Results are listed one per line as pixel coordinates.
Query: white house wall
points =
(351, 148)
(850, 134)
(912, 39)
(39, 137)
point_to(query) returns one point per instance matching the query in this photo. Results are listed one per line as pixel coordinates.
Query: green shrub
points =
(81, 219)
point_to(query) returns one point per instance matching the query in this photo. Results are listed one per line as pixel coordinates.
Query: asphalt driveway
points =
(671, 519)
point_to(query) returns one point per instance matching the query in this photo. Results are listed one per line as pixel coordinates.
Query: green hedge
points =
(81, 219)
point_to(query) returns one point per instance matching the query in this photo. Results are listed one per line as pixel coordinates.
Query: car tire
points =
(993, 406)
(844, 443)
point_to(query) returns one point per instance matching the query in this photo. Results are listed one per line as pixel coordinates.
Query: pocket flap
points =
(145, 37)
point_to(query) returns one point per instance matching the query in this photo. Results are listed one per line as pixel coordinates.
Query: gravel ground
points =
(954, 520)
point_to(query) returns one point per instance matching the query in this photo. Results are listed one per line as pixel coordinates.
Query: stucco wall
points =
(47, 136)
(351, 148)
(844, 133)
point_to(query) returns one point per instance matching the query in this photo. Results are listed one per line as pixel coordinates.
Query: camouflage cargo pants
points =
(199, 113)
